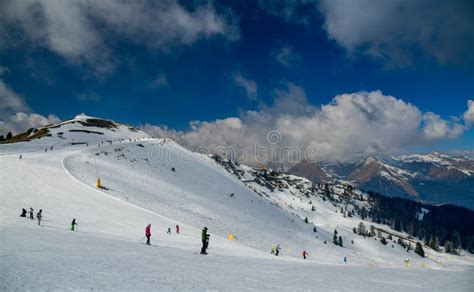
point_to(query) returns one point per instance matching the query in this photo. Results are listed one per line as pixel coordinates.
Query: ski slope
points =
(107, 251)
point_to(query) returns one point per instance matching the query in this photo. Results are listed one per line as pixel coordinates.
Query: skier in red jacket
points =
(148, 233)
(177, 228)
(305, 254)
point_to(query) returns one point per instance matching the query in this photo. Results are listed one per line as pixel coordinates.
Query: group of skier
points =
(30, 214)
(204, 234)
(148, 232)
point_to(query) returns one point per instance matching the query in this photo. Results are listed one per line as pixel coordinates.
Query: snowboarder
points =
(305, 254)
(277, 250)
(23, 213)
(177, 228)
(205, 240)
(73, 223)
(169, 230)
(39, 216)
(148, 233)
(31, 213)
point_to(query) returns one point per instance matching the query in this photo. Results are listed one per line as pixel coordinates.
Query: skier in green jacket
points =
(205, 240)
(73, 224)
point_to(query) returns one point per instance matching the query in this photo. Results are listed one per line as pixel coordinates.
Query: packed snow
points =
(156, 181)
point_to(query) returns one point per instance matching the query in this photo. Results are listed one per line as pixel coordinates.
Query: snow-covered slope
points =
(157, 181)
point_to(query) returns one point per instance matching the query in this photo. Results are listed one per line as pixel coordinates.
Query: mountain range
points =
(434, 177)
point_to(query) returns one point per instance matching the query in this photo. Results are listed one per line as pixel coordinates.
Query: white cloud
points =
(20, 122)
(287, 56)
(352, 124)
(394, 31)
(249, 86)
(82, 31)
(469, 114)
(437, 128)
(15, 114)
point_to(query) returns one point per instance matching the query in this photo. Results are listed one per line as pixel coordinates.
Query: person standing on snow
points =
(305, 254)
(23, 213)
(73, 223)
(31, 213)
(169, 230)
(148, 233)
(177, 228)
(205, 240)
(277, 250)
(39, 216)
(345, 260)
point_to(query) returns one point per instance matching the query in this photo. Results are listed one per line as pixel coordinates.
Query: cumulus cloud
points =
(394, 31)
(469, 114)
(81, 31)
(20, 122)
(287, 56)
(292, 129)
(249, 86)
(15, 114)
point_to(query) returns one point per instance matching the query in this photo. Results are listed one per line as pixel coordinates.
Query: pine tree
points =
(326, 190)
(9, 135)
(334, 239)
(447, 246)
(314, 229)
(306, 220)
(2, 138)
(383, 241)
(312, 208)
(419, 250)
(372, 230)
(339, 242)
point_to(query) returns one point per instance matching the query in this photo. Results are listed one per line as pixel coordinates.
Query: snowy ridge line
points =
(120, 200)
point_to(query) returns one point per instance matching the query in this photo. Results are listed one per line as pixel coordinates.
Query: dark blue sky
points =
(198, 77)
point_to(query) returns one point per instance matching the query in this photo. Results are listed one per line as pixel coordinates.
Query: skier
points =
(23, 213)
(31, 213)
(345, 260)
(305, 254)
(177, 228)
(51, 148)
(148, 233)
(169, 230)
(277, 250)
(205, 240)
(39, 216)
(73, 223)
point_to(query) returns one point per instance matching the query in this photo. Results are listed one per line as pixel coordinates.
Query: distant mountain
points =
(434, 177)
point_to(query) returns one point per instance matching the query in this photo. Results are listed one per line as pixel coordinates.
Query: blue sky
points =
(220, 59)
